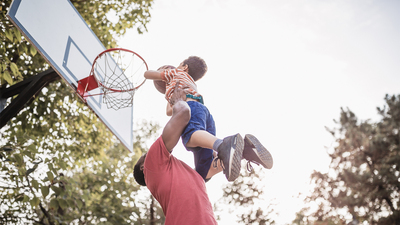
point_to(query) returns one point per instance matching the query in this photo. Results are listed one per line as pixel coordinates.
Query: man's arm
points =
(180, 118)
(169, 109)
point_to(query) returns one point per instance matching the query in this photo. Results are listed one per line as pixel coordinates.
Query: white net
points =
(119, 73)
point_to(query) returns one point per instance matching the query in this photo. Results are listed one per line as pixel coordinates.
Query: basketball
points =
(160, 86)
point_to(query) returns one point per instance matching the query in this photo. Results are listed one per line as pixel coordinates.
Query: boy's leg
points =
(201, 138)
(230, 152)
(204, 139)
(200, 132)
(230, 149)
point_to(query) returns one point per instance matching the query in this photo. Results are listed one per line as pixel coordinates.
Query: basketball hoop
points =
(119, 73)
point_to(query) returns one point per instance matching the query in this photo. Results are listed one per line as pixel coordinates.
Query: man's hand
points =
(178, 95)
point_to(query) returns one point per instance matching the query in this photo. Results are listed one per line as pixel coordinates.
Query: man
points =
(179, 189)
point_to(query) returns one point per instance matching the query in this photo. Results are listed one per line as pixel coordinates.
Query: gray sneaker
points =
(255, 152)
(230, 153)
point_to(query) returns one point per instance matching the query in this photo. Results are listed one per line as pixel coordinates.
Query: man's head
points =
(196, 67)
(138, 170)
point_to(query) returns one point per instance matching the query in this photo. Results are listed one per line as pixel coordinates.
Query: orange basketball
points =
(160, 86)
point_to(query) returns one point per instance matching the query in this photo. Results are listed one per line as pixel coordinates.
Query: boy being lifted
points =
(199, 136)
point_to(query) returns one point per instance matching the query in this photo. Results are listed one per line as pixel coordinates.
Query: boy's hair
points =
(197, 67)
(139, 175)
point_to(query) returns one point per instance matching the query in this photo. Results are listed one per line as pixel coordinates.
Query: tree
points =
(363, 183)
(61, 188)
(108, 19)
(58, 162)
(244, 198)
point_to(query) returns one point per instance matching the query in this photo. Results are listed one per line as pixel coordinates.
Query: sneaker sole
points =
(235, 158)
(261, 152)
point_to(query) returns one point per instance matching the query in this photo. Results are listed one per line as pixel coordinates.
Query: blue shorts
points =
(200, 119)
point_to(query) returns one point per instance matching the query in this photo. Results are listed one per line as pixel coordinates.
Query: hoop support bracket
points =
(86, 84)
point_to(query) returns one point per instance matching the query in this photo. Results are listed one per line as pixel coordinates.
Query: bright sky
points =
(280, 70)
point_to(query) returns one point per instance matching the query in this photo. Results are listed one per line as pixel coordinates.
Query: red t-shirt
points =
(178, 188)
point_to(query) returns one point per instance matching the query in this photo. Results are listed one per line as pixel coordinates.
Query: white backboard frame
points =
(63, 38)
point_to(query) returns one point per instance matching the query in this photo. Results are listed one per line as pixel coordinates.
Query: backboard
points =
(63, 38)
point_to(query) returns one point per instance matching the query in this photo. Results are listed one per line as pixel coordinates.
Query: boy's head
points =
(197, 67)
(138, 171)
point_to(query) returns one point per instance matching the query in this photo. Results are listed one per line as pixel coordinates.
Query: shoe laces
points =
(215, 163)
(249, 167)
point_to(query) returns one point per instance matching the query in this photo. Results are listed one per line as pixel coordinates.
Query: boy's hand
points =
(178, 95)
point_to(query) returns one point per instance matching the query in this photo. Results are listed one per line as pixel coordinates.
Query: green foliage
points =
(364, 177)
(244, 198)
(108, 19)
(82, 185)
(58, 163)
(18, 58)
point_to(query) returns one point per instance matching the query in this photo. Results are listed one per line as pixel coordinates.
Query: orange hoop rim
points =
(92, 73)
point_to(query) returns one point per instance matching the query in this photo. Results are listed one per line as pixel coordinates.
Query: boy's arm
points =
(153, 75)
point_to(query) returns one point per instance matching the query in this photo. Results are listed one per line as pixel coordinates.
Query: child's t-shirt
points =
(171, 76)
(178, 188)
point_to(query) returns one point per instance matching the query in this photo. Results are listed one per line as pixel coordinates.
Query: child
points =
(199, 135)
